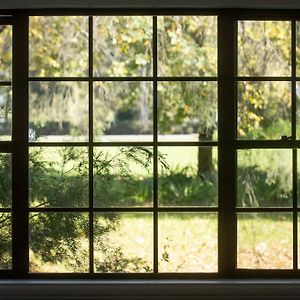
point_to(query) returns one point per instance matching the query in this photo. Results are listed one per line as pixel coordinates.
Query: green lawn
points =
(188, 241)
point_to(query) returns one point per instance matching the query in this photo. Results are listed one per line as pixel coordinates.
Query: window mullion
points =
(294, 137)
(227, 54)
(20, 249)
(155, 149)
(91, 150)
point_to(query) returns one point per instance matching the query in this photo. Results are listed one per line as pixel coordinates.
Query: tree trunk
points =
(205, 161)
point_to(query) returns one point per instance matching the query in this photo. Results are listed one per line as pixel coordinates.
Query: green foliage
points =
(5, 218)
(57, 238)
(122, 108)
(181, 187)
(115, 183)
(5, 180)
(58, 46)
(123, 46)
(264, 48)
(59, 181)
(60, 238)
(6, 52)
(264, 110)
(5, 241)
(187, 107)
(260, 188)
(187, 46)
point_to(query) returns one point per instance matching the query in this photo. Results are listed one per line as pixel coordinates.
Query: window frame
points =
(227, 143)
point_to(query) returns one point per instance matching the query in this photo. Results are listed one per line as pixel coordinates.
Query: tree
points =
(264, 108)
(62, 181)
(188, 47)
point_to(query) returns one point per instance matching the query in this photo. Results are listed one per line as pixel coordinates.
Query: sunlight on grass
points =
(187, 242)
(265, 241)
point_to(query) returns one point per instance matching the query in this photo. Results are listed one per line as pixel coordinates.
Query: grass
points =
(265, 241)
(188, 241)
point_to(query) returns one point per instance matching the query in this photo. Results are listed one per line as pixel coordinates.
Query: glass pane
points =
(187, 111)
(298, 179)
(123, 46)
(265, 178)
(187, 45)
(123, 242)
(265, 241)
(187, 242)
(58, 177)
(264, 48)
(298, 238)
(58, 46)
(5, 180)
(5, 241)
(187, 176)
(298, 48)
(5, 112)
(58, 242)
(123, 111)
(58, 111)
(298, 109)
(123, 176)
(264, 110)
(6, 53)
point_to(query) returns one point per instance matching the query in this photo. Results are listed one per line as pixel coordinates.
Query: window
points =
(149, 145)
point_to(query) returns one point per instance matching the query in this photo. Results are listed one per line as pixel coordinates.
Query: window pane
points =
(264, 110)
(58, 46)
(187, 176)
(123, 111)
(123, 176)
(187, 111)
(187, 242)
(298, 238)
(265, 241)
(58, 242)
(123, 242)
(298, 48)
(58, 111)
(264, 48)
(298, 177)
(5, 241)
(123, 46)
(265, 178)
(58, 177)
(5, 180)
(298, 110)
(187, 45)
(6, 53)
(5, 113)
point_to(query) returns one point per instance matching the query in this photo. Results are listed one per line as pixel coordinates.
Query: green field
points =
(187, 241)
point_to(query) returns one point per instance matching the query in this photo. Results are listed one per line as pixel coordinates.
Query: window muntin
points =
(113, 110)
(286, 143)
(266, 173)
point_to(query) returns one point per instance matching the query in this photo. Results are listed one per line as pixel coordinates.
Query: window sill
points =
(150, 289)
